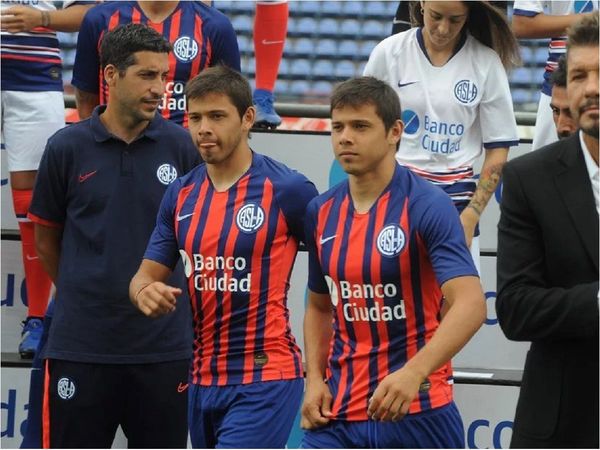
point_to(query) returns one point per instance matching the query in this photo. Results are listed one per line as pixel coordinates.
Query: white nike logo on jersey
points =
(185, 216)
(267, 42)
(323, 240)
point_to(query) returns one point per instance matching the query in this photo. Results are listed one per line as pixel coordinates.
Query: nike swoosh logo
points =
(185, 216)
(182, 387)
(267, 42)
(31, 258)
(327, 239)
(406, 84)
(85, 176)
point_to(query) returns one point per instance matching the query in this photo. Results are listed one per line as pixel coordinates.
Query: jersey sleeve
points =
(49, 203)
(496, 113)
(316, 278)
(444, 238)
(225, 46)
(528, 8)
(377, 64)
(87, 60)
(162, 246)
(293, 199)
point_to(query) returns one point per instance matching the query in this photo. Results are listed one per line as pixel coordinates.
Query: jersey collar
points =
(459, 45)
(101, 134)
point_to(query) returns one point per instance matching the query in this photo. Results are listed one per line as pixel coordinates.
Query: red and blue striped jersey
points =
(238, 248)
(201, 37)
(383, 270)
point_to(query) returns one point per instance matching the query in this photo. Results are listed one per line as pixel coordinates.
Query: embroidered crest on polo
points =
(65, 388)
(185, 48)
(166, 174)
(391, 240)
(250, 218)
(465, 91)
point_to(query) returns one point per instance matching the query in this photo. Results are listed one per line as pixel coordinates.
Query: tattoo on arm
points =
(488, 182)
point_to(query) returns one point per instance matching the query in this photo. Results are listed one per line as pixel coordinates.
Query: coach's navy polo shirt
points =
(105, 194)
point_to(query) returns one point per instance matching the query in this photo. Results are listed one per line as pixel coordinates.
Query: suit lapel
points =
(573, 182)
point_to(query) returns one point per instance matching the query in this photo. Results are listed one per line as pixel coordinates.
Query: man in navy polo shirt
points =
(96, 197)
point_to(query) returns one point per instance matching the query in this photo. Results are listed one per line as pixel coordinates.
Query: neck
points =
(226, 173)
(592, 146)
(121, 124)
(157, 11)
(438, 56)
(365, 189)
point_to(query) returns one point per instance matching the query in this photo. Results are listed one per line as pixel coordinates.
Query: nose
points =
(345, 136)
(565, 123)
(443, 27)
(158, 86)
(591, 85)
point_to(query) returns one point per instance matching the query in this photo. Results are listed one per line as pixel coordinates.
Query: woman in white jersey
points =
(449, 73)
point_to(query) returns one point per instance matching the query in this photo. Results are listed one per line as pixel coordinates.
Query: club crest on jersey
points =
(65, 388)
(250, 218)
(465, 91)
(391, 240)
(166, 174)
(185, 48)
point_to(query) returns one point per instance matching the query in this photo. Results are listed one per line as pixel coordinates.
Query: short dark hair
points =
(361, 91)
(221, 80)
(119, 45)
(559, 76)
(584, 32)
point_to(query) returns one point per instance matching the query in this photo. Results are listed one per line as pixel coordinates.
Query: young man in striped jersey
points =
(384, 248)
(236, 222)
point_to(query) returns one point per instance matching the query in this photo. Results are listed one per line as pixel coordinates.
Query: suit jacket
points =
(548, 293)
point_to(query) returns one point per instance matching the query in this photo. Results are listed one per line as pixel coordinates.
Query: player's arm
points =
(25, 18)
(542, 25)
(149, 292)
(491, 172)
(47, 246)
(86, 102)
(316, 408)
(392, 398)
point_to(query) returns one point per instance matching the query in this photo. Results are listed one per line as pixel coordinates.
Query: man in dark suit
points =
(548, 267)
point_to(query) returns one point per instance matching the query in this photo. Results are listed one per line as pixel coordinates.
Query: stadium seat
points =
(366, 48)
(345, 70)
(300, 68)
(373, 29)
(306, 26)
(299, 87)
(242, 24)
(328, 27)
(332, 8)
(245, 45)
(326, 48)
(304, 48)
(350, 28)
(284, 67)
(224, 6)
(242, 7)
(521, 75)
(322, 88)
(348, 49)
(309, 7)
(322, 68)
(377, 9)
(353, 9)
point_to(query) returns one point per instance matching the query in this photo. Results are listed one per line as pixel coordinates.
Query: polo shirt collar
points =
(101, 134)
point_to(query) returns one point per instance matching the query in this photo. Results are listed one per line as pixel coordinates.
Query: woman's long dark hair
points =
(488, 25)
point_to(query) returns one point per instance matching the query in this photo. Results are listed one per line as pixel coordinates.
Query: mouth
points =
(347, 153)
(207, 144)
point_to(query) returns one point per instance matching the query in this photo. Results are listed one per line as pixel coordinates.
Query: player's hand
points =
(157, 299)
(316, 408)
(469, 219)
(393, 396)
(20, 18)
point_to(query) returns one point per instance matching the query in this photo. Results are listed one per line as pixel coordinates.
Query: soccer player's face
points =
(139, 90)
(443, 22)
(216, 127)
(561, 114)
(582, 87)
(360, 142)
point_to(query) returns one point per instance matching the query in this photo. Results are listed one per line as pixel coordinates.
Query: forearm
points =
(317, 336)
(460, 323)
(489, 178)
(69, 19)
(48, 250)
(86, 102)
(542, 25)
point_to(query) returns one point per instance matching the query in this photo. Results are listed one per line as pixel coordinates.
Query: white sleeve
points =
(377, 65)
(528, 8)
(496, 113)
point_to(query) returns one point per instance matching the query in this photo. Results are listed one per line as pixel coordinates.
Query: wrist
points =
(138, 292)
(45, 21)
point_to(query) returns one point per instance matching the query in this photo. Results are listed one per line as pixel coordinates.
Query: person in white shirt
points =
(449, 73)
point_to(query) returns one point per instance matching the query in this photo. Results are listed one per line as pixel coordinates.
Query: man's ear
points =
(110, 74)
(248, 118)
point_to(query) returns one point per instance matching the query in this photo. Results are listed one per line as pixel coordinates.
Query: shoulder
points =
(279, 174)
(330, 195)
(198, 173)
(482, 52)
(100, 12)
(396, 43)
(538, 161)
(71, 135)
(210, 15)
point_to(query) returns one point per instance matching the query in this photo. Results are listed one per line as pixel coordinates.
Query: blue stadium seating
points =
(344, 70)
(242, 23)
(348, 49)
(350, 28)
(328, 27)
(326, 48)
(304, 48)
(373, 29)
(322, 68)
